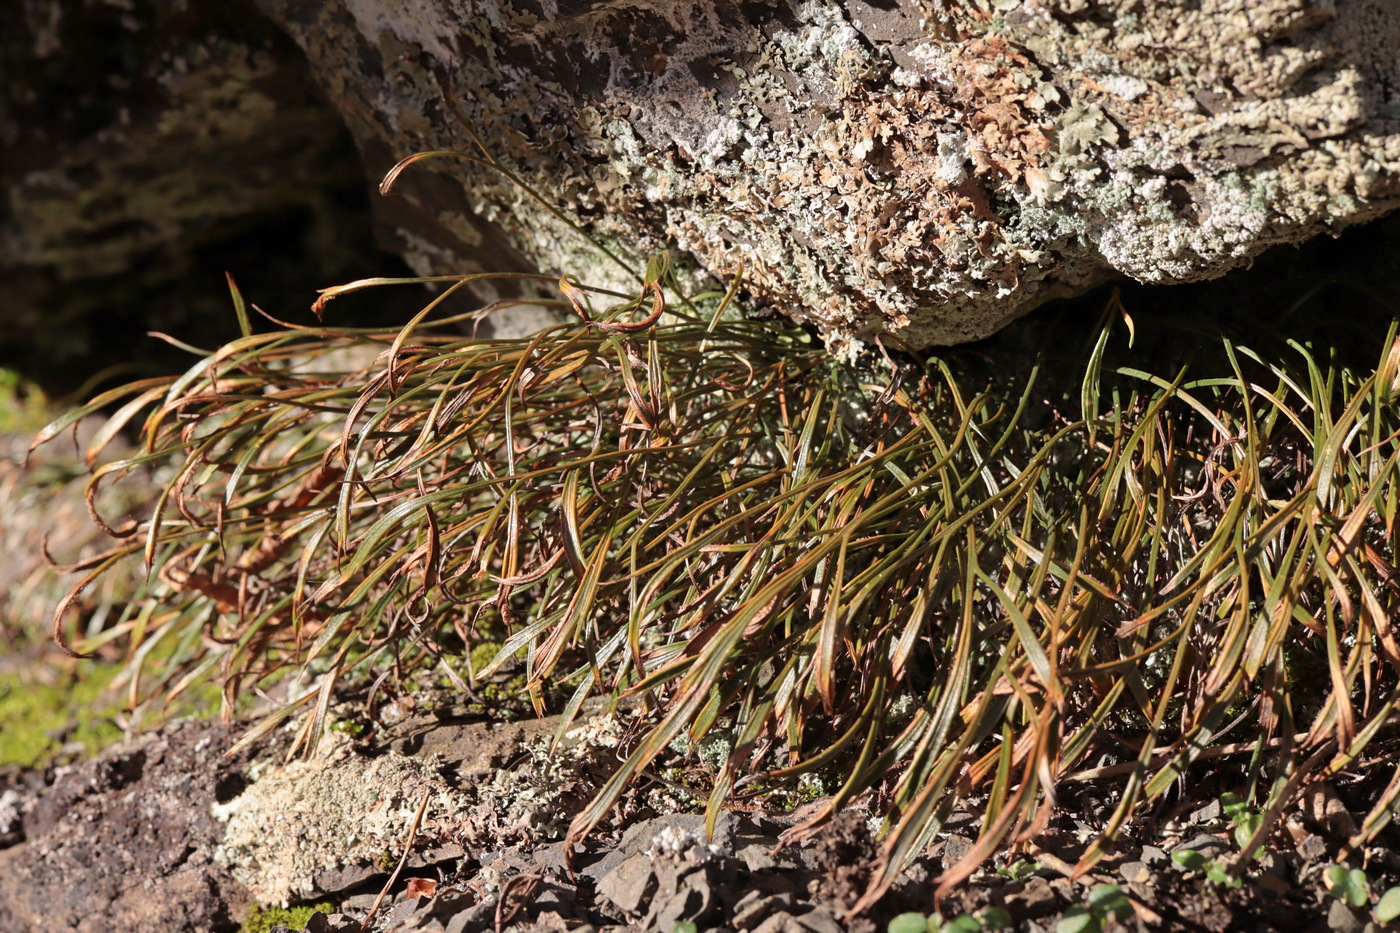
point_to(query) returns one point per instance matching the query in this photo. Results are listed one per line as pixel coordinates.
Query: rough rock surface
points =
(917, 167)
(131, 841)
(125, 841)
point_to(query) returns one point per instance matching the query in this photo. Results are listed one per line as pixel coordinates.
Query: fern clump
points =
(935, 577)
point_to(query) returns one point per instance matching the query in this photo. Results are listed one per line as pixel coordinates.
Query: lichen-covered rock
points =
(917, 167)
(298, 821)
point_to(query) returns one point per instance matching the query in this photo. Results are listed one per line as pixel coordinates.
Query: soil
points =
(167, 833)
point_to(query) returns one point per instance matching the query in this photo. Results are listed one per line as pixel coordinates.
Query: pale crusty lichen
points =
(930, 170)
(299, 819)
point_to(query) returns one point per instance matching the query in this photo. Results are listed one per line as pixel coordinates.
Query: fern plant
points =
(936, 576)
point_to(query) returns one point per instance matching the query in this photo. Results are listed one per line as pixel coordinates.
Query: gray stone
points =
(126, 840)
(781, 922)
(1037, 898)
(755, 906)
(399, 918)
(749, 910)
(1135, 872)
(641, 837)
(552, 897)
(629, 884)
(693, 901)
(1153, 855)
(332, 923)
(11, 818)
(925, 170)
(145, 147)
(1209, 813)
(759, 856)
(472, 920)
(1313, 848)
(954, 848)
(1342, 919)
(820, 920)
(1205, 843)
(344, 877)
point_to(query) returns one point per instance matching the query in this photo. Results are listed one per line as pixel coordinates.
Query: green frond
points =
(941, 579)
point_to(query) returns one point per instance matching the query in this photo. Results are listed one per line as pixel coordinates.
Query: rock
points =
(1342, 919)
(1135, 872)
(1209, 813)
(11, 818)
(1153, 855)
(643, 836)
(954, 848)
(1271, 863)
(1207, 844)
(302, 822)
(820, 920)
(754, 907)
(692, 902)
(930, 171)
(472, 920)
(332, 923)
(400, 917)
(629, 884)
(781, 922)
(1326, 813)
(474, 749)
(1313, 848)
(1036, 899)
(126, 841)
(759, 856)
(344, 876)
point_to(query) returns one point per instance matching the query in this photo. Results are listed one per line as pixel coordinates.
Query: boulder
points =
(925, 169)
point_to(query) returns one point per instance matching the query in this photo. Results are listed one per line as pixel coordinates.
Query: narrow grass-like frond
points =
(937, 580)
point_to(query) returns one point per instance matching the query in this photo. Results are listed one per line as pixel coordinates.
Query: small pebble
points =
(1342, 919)
(1153, 855)
(1135, 872)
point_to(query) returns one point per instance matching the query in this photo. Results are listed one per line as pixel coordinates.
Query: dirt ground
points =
(167, 833)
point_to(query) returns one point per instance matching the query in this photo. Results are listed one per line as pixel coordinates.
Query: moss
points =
(483, 654)
(23, 408)
(264, 919)
(510, 690)
(349, 727)
(38, 719)
(387, 860)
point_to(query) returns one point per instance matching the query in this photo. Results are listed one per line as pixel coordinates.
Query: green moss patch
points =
(264, 919)
(38, 720)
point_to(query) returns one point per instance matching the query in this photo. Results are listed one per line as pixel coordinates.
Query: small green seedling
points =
(1019, 871)
(1247, 819)
(1353, 888)
(995, 918)
(1215, 871)
(1106, 900)
(992, 918)
(1349, 885)
(1388, 908)
(913, 922)
(685, 926)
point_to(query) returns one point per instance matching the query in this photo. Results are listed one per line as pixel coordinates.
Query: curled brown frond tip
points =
(974, 579)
